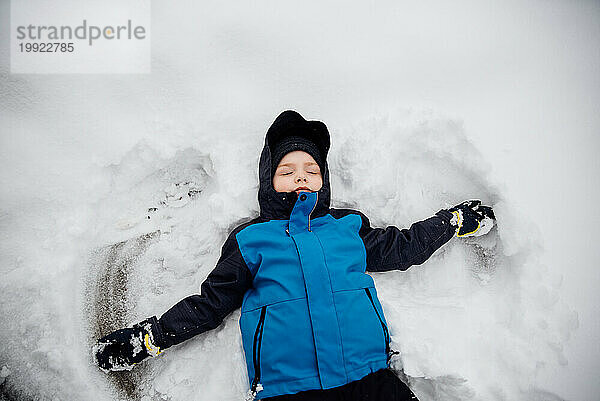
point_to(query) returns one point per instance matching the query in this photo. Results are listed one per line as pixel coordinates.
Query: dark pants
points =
(382, 385)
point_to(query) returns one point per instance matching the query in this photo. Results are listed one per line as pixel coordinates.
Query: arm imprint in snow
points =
(220, 294)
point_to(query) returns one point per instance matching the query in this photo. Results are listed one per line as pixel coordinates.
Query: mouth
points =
(301, 189)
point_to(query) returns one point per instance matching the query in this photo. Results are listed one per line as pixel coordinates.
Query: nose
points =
(301, 177)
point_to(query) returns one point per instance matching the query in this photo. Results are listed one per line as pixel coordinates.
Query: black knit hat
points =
(290, 131)
(292, 143)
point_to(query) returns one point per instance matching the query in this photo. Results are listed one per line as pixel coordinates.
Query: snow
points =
(4, 374)
(118, 191)
(474, 304)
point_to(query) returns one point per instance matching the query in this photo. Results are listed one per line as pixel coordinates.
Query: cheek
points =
(319, 181)
(281, 183)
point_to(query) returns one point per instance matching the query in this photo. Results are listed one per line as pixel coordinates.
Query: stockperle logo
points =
(72, 36)
(83, 32)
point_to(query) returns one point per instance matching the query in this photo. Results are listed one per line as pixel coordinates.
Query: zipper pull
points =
(391, 354)
(251, 395)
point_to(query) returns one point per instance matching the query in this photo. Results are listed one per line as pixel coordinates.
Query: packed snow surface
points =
(479, 320)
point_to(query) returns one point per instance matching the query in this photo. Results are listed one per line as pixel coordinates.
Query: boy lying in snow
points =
(312, 325)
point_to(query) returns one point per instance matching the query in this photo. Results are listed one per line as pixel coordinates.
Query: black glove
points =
(122, 349)
(471, 219)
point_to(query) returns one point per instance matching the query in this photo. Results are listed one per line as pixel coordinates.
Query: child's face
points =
(297, 171)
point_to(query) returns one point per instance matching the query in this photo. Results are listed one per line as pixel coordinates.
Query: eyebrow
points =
(293, 164)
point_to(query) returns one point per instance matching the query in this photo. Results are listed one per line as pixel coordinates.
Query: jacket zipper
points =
(313, 209)
(386, 334)
(256, 386)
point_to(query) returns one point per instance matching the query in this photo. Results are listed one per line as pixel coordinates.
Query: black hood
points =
(278, 205)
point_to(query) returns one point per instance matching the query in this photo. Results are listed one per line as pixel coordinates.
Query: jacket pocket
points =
(386, 333)
(256, 347)
(283, 355)
(360, 329)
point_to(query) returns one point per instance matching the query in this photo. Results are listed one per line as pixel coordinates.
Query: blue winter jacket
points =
(310, 317)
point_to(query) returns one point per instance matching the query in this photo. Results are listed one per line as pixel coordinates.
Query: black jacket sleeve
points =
(391, 248)
(220, 294)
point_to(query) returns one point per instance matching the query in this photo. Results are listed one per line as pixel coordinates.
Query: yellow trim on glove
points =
(151, 348)
(474, 231)
(458, 219)
(460, 223)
